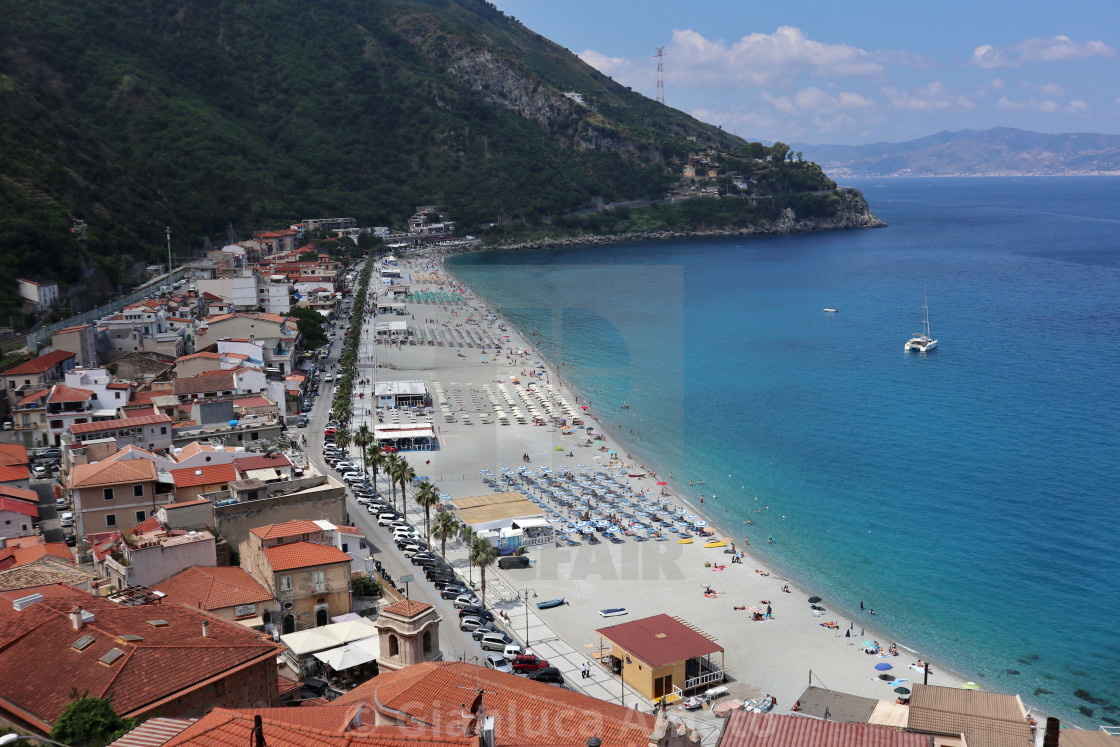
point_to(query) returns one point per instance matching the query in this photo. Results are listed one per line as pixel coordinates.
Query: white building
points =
(400, 393)
(41, 295)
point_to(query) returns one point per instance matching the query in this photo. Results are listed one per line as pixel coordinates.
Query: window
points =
(139, 516)
(394, 646)
(138, 491)
(116, 395)
(285, 583)
(163, 431)
(110, 520)
(108, 494)
(318, 577)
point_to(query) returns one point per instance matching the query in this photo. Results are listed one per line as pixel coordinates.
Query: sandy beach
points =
(472, 388)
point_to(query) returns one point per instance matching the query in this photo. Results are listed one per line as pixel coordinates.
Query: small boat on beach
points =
(549, 604)
(686, 541)
(760, 706)
(612, 612)
(715, 544)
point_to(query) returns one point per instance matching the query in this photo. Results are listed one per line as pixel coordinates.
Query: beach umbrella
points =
(902, 690)
(814, 600)
(701, 524)
(753, 609)
(970, 686)
(883, 666)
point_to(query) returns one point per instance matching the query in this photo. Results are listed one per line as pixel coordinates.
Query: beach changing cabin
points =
(662, 656)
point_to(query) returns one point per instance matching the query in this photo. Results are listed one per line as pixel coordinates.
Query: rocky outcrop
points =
(502, 84)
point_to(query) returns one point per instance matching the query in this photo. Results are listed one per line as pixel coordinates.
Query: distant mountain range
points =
(1000, 151)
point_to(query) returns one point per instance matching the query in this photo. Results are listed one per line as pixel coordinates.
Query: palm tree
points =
(363, 439)
(342, 438)
(391, 462)
(405, 476)
(426, 497)
(483, 554)
(377, 461)
(445, 527)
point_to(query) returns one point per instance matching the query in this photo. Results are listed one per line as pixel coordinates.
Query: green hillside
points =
(196, 114)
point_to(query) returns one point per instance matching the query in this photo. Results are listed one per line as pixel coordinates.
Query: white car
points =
(328, 377)
(465, 600)
(67, 519)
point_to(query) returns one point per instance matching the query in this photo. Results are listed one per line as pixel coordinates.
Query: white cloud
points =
(932, 97)
(1044, 106)
(997, 84)
(816, 101)
(612, 66)
(1054, 49)
(1052, 90)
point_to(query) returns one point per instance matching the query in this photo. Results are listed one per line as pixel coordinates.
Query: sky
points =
(854, 71)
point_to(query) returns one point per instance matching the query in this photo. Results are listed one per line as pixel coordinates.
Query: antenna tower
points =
(660, 75)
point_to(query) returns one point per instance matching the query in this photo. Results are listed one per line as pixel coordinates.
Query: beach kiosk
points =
(662, 656)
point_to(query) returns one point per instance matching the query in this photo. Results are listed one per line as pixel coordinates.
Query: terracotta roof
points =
(41, 364)
(311, 726)
(75, 328)
(204, 354)
(211, 381)
(12, 455)
(295, 528)
(293, 555)
(184, 504)
(407, 608)
(747, 729)
(48, 569)
(247, 463)
(211, 474)
(14, 474)
(128, 451)
(23, 550)
(659, 640)
(102, 474)
(986, 719)
(213, 588)
(63, 393)
(19, 507)
(165, 662)
(109, 425)
(153, 732)
(33, 397)
(433, 693)
(9, 491)
(254, 402)
(350, 530)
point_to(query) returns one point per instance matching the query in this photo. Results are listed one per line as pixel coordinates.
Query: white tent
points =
(352, 654)
(328, 636)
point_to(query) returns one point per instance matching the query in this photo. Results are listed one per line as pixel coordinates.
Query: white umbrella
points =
(345, 657)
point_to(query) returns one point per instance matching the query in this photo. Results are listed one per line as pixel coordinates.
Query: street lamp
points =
(168, 230)
(525, 596)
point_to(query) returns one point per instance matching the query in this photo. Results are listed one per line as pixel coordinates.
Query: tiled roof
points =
(204, 354)
(433, 693)
(109, 425)
(23, 550)
(40, 364)
(211, 474)
(407, 608)
(14, 474)
(19, 507)
(183, 504)
(153, 732)
(747, 729)
(62, 393)
(293, 555)
(248, 463)
(350, 530)
(213, 588)
(46, 570)
(166, 661)
(12, 455)
(75, 328)
(293, 528)
(214, 382)
(659, 640)
(9, 491)
(102, 474)
(311, 726)
(254, 402)
(33, 397)
(986, 719)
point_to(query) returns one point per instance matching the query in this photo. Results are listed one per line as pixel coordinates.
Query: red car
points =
(525, 663)
(330, 431)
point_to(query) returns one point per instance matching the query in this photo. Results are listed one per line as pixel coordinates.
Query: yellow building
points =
(661, 656)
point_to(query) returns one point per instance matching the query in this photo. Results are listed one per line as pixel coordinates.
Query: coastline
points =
(798, 639)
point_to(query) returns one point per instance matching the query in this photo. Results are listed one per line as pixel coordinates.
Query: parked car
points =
(422, 556)
(67, 519)
(467, 624)
(484, 629)
(513, 561)
(548, 674)
(477, 611)
(410, 550)
(41, 471)
(498, 663)
(60, 503)
(465, 600)
(384, 520)
(453, 590)
(301, 421)
(328, 377)
(495, 641)
(70, 540)
(528, 662)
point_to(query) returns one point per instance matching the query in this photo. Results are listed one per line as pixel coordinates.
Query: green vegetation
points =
(364, 586)
(90, 721)
(310, 325)
(134, 116)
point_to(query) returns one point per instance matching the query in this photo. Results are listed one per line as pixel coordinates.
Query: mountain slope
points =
(196, 114)
(1001, 151)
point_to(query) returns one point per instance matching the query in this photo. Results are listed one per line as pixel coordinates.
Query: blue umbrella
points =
(883, 666)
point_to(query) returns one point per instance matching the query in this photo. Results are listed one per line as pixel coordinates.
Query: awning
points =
(252, 622)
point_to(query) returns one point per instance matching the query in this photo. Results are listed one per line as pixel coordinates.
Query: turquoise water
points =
(966, 495)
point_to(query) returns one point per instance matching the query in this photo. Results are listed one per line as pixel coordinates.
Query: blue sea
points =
(968, 495)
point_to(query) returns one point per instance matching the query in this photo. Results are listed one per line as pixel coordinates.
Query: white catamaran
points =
(921, 341)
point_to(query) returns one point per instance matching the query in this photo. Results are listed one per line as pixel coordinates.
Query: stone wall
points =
(310, 498)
